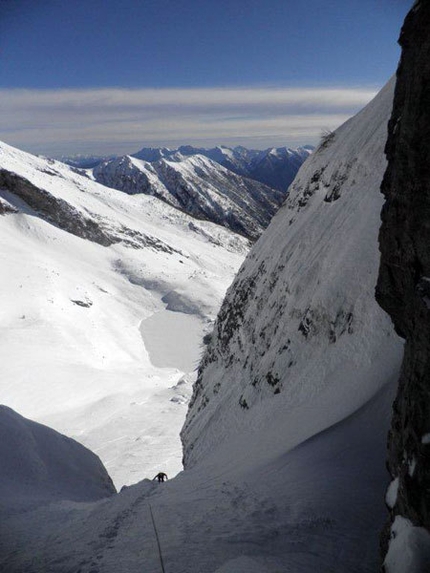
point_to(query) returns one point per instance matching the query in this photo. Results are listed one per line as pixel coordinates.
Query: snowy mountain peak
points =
(196, 184)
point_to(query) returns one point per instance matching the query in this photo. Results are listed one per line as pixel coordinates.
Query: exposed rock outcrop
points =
(403, 288)
(67, 217)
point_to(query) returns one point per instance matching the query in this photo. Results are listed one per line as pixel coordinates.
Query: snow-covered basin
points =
(173, 339)
(72, 353)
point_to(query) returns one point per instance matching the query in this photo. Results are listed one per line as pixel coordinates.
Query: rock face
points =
(299, 329)
(404, 279)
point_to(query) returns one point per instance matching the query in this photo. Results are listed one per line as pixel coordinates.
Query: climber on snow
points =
(161, 476)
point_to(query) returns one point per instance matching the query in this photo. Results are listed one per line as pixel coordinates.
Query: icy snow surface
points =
(82, 325)
(392, 491)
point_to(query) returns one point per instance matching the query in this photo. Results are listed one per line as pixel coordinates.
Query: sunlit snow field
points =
(101, 343)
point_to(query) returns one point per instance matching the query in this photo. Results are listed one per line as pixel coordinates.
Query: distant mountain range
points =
(198, 186)
(240, 189)
(275, 166)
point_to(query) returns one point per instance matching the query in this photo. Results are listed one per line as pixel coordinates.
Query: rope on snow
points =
(157, 538)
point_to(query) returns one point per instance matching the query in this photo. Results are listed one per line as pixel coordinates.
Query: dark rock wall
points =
(403, 288)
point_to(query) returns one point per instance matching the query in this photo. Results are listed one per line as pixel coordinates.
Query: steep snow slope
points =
(38, 464)
(299, 339)
(198, 186)
(300, 512)
(97, 288)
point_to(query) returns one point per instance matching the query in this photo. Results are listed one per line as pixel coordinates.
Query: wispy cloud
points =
(123, 120)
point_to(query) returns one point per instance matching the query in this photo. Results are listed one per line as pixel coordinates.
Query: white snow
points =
(392, 491)
(86, 370)
(309, 326)
(173, 339)
(409, 549)
(295, 482)
(38, 465)
(318, 507)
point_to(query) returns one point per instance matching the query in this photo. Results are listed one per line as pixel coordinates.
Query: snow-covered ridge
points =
(39, 464)
(299, 328)
(275, 166)
(106, 298)
(198, 186)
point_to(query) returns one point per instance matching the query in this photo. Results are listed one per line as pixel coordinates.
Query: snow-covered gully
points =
(284, 441)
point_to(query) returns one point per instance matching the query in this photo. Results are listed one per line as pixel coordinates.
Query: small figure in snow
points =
(161, 476)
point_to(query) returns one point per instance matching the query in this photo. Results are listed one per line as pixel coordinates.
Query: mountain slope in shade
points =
(198, 186)
(38, 463)
(277, 167)
(106, 298)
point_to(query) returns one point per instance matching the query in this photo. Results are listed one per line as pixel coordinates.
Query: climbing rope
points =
(157, 538)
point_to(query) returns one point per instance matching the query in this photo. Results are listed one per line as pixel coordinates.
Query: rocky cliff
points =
(404, 292)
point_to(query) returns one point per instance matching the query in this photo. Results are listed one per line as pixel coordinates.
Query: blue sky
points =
(99, 76)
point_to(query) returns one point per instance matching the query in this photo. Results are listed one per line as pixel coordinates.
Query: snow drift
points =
(38, 463)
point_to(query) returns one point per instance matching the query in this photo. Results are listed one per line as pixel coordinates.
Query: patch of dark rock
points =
(272, 379)
(334, 194)
(50, 172)
(6, 208)
(207, 338)
(343, 323)
(326, 139)
(232, 313)
(83, 303)
(55, 210)
(306, 324)
(137, 240)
